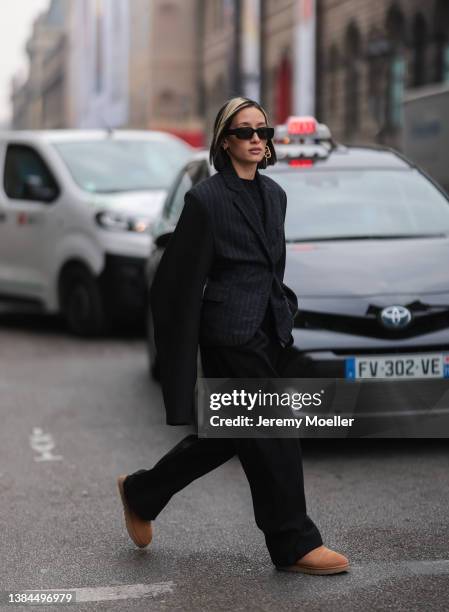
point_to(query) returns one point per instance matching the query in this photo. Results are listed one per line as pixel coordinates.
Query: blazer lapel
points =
(243, 202)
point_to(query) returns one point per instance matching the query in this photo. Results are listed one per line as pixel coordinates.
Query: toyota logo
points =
(395, 317)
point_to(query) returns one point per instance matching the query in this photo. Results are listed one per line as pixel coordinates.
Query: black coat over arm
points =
(175, 299)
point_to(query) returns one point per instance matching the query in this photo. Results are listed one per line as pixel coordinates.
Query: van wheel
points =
(82, 303)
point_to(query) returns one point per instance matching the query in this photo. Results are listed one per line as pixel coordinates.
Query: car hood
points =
(147, 203)
(401, 270)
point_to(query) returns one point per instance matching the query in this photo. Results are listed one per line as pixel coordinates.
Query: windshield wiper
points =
(365, 237)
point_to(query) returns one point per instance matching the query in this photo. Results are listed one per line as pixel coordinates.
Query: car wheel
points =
(82, 303)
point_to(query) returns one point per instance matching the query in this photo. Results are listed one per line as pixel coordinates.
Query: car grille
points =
(369, 325)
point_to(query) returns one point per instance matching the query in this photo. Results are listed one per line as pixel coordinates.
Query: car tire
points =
(82, 304)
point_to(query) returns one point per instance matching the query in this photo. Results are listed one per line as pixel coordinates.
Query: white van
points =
(75, 209)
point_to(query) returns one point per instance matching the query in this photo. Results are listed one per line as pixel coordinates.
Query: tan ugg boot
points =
(321, 560)
(140, 531)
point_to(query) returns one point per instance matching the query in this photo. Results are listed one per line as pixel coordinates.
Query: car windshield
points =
(359, 203)
(108, 166)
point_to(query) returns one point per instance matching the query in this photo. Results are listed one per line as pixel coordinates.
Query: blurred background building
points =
(98, 40)
(369, 54)
(165, 67)
(41, 101)
(170, 64)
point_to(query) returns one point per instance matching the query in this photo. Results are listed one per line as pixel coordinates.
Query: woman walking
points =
(220, 285)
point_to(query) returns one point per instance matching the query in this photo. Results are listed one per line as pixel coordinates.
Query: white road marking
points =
(122, 591)
(359, 575)
(43, 444)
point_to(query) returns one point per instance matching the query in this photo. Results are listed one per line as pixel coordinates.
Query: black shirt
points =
(253, 188)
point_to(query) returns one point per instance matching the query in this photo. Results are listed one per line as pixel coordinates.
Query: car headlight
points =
(121, 222)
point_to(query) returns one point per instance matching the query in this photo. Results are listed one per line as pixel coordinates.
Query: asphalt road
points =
(76, 413)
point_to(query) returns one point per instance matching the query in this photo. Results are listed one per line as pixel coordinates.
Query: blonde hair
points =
(217, 156)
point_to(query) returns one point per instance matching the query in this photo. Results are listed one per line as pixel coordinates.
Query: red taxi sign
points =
(301, 125)
(301, 163)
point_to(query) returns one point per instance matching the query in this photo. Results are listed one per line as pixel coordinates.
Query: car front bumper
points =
(382, 407)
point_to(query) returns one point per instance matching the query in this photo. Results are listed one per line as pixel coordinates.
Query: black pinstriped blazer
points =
(215, 278)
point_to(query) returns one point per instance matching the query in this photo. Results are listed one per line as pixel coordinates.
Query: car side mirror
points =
(34, 189)
(162, 240)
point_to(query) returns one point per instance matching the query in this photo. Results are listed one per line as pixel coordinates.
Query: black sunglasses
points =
(246, 133)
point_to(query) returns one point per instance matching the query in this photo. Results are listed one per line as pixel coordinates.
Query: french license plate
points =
(425, 365)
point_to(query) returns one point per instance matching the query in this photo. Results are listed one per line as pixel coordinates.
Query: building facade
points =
(162, 64)
(165, 85)
(230, 29)
(39, 100)
(368, 55)
(277, 32)
(98, 37)
(78, 67)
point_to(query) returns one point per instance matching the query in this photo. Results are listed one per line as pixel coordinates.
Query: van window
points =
(26, 175)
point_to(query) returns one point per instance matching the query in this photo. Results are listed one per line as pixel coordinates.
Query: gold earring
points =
(267, 153)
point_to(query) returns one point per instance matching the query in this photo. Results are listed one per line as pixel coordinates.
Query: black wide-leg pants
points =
(273, 466)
